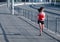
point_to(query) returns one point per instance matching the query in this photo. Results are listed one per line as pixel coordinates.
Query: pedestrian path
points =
(14, 29)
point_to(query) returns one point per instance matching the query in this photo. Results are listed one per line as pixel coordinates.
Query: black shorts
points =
(42, 22)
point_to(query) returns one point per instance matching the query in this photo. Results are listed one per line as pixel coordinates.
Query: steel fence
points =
(51, 23)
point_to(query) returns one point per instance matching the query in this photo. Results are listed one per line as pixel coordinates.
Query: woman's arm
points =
(43, 17)
(38, 16)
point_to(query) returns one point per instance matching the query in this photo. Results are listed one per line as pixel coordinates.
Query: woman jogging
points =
(41, 18)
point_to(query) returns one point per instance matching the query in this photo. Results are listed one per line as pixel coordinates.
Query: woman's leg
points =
(40, 25)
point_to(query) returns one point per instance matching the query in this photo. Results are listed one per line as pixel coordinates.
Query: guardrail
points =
(51, 23)
(57, 4)
(30, 3)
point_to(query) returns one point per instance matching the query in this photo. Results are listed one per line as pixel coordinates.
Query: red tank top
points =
(40, 16)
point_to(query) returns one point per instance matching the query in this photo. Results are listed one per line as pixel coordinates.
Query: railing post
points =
(8, 3)
(56, 26)
(18, 11)
(12, 7)
(35, 17)
(28, 14)
(23, 12)
(31, 15)
(47, 21)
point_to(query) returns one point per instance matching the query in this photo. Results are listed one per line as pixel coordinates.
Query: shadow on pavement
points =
(4, 34)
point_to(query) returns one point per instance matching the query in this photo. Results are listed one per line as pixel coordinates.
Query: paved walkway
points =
(14, 29)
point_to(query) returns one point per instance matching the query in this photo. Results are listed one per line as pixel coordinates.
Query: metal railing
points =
(51, 22)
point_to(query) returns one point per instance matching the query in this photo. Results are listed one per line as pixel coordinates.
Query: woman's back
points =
(41, 16)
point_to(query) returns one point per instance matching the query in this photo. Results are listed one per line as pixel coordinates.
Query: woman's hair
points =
(40, 9)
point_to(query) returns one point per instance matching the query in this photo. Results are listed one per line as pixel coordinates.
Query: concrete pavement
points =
(14, 29)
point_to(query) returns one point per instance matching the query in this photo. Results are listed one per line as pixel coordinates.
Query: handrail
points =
(51, 22)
